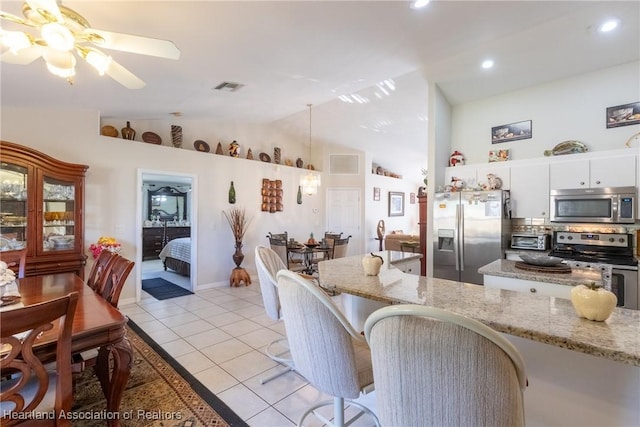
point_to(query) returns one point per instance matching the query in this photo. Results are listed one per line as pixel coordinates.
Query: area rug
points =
(160, 289)
(160, 392)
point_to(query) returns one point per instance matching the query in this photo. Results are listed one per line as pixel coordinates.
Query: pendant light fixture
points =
(310, 182)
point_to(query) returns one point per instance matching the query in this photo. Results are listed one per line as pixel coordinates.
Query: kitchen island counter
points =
(544, 319)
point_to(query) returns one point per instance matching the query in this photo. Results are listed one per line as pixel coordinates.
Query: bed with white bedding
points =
(176, 255)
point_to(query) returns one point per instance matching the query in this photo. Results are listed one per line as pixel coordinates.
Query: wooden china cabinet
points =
(42, 207)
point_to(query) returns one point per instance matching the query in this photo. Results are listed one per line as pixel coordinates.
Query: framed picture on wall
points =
(412, 198)
(623, 115)
(376, 194)
(396, 203)
(511, 132)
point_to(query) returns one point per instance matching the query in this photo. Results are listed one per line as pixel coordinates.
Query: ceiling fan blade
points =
(23, 56)
(135, 44)
(123, 76)
(13, 18)
(47, 8)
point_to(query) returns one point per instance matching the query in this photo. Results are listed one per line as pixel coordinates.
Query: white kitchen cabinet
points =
(608, 171)
(529, 286)
(530, 191)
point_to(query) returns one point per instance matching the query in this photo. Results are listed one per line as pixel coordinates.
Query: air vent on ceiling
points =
(229, 86)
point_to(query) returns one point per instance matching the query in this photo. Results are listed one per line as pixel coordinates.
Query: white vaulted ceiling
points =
(288, 54)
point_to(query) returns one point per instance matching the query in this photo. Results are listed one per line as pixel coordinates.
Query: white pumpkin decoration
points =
(593, 302)
(371, 264)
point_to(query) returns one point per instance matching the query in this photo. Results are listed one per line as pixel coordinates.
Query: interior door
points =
(344, 215)
(186, 184)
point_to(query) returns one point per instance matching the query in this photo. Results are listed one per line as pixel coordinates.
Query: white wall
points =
(569, 109)
(111, 183)
(111, 193)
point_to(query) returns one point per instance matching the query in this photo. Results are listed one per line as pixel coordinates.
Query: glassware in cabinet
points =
(13, 206)
(58, 214)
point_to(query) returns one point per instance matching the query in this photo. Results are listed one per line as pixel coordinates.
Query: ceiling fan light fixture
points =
(97, 60)
(61, 64)
(15, 40)
(58, 36)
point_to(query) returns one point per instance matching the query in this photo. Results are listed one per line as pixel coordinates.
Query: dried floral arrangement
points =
(238, 221)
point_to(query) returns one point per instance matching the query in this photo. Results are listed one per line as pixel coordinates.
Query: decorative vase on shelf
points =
(219, 148)
(234, 149)
(276, 155)
(128, 132)
(176, 136)
(232, 194)
(249, 154)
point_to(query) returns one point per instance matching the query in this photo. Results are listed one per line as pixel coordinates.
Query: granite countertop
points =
(507, 268)
(539, 318)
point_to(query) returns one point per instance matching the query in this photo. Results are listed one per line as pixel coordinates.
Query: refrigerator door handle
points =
(461, 236)
(456, 237)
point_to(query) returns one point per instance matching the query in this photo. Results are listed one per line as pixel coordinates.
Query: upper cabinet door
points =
(14, 205)
(569, 174)
(58, 214)
(530, 191)
(616, 171)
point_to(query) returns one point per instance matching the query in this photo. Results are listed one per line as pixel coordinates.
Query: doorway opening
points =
(166, 221)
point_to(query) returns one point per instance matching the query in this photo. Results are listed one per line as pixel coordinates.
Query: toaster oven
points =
(536, 242)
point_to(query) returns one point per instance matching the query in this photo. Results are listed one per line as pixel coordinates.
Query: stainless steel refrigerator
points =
(470, 229)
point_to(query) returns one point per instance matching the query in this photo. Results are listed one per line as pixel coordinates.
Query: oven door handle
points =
(625, 267)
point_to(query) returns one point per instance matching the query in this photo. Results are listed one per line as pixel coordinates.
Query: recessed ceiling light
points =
(418, 4)
(608, 25)
(487, 63)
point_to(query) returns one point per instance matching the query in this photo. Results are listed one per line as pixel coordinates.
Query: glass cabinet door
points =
(58, 215)
(13, 206)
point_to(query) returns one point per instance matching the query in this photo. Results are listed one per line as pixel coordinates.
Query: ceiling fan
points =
(58, 31)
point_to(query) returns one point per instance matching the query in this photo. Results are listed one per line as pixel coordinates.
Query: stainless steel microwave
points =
(614, 205)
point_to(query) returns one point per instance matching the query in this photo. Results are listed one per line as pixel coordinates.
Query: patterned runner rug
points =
(160, 392)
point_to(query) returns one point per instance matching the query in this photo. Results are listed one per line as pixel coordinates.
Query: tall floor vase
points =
(239, 274)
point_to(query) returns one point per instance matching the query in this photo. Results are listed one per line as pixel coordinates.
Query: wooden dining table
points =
(96, 324)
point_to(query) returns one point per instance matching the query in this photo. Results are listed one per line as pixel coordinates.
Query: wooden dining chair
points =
(102, 264)
(16, 260)
(31, 387)
(113, 279)
(109, 287)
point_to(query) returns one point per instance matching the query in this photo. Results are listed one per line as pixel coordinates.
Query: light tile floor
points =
(219, 335)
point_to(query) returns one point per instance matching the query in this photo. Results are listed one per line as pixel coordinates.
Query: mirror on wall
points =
(167, 203)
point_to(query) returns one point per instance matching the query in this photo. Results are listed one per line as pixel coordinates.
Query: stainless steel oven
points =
(611, 253)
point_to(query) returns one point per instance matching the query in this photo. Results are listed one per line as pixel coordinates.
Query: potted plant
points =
(239, 223)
